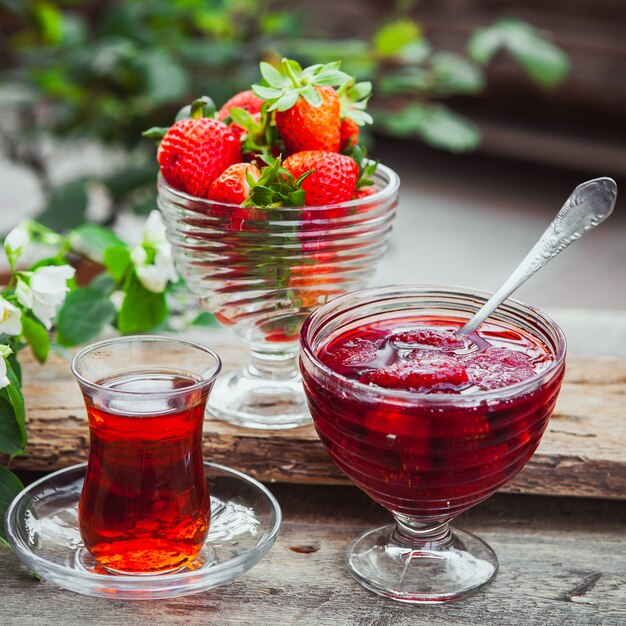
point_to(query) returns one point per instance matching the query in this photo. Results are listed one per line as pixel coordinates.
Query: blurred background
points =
(491, 111)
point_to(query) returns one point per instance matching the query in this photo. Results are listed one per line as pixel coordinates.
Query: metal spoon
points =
(589, 205)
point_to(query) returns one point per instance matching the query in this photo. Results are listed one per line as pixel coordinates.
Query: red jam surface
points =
(421, 458)
(426, 356)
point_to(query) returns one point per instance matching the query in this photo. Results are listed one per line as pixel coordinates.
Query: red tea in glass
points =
(145, 505)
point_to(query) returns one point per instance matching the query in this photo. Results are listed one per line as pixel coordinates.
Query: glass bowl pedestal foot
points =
(421, 565)
(265, 394)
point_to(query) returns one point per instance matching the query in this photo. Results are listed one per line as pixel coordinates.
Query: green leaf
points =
(83, 316)
(484, 43)
(130, 178)
(37, 337)
(272, 76)
(13, 436)
(285, 102)
(10, 486)
(205, 319)
(201, 107)
(544, 62)
(436, 124)
(267, 93)
(103, 283)
(11, 441)
(66, 206)
(156, 132)
(50, 21)
(312, 96)
(453, 74)
(166, 80)
(333, 78)
(92, 240)
(142, 309)
(393, 37)
(117, 261)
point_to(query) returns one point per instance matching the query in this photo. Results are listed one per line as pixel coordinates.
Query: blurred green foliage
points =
(104, 70)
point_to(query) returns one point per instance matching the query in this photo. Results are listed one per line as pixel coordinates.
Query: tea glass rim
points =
(369, 297)
(392, 186)
(90, 384)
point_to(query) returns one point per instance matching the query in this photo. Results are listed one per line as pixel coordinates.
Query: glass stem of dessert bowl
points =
(262, 271)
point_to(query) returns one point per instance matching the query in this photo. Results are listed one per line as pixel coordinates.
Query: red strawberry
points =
(194, 152)
(349, 133)
(333, 180)
(306, 127)
(436, 371)
(247, 100)
(232, 186)
(238, 131)
(363, 192)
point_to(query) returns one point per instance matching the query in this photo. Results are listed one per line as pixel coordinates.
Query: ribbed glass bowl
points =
(426, 457)
(262, 271)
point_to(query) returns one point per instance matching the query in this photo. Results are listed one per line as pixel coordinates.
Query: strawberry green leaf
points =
(285, 102)
(292, 65)
(156, 132)
(202, 107)
(312, 96)
(272, 76)
(333, 78)
(359, 91)
(361, 117)
(267, 93)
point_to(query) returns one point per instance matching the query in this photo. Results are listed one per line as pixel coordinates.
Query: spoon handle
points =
(589, 205)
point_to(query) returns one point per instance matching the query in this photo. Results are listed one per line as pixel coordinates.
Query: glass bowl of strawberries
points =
(272, 209)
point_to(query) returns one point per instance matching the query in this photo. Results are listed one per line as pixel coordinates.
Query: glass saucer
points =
(42, 526)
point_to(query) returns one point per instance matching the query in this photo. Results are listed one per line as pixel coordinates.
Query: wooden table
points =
(562, 558)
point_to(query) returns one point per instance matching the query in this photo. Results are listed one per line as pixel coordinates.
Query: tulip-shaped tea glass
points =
(426, 457)
(262, 271)
(145, 508)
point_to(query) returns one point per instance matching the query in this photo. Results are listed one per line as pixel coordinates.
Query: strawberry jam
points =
(426, 421)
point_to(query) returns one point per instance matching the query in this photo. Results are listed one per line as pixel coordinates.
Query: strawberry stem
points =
(290, 73)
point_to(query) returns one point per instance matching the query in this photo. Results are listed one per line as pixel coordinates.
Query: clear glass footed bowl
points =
(262, 271)
(426, 457)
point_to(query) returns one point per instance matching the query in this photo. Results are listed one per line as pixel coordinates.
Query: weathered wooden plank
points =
(559, 564)
(582, 454)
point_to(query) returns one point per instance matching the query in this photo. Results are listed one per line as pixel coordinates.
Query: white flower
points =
(117, 298)
(46, 292)
(15, 241)
(154, 230)
(155, 277)
(10, 318)
(138, 256)
(5, 351)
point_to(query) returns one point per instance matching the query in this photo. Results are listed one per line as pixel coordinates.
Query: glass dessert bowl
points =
(428, 423)
(262, 272)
